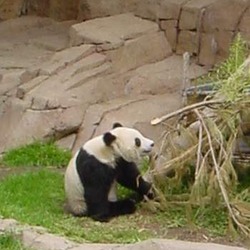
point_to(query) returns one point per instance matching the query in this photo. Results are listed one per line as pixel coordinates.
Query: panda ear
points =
(117, 125)
(108, 138)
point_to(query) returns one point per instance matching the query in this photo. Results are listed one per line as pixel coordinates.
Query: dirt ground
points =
(192, 233)
(201, 235)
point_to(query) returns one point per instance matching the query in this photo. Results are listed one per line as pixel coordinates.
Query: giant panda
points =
(101, 163)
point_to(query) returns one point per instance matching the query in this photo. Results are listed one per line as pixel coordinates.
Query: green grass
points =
(37, 198)
(32, 197)
(214, 220)
(10, 242)
(36, 154)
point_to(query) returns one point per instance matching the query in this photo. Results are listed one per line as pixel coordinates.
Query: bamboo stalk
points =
(185, 109)
(244, 228)
(199, 155)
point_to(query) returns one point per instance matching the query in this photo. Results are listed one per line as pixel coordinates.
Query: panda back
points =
(101, 152)
(74, 189)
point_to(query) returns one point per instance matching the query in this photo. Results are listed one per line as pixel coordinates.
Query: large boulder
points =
(76, 92)
(170, 27)
(224, 15)
(172, 244)
(165, 76)
(192, 14)
(197, 26)
(110, 32)
(133, 112)
(145, 49)
(187, 41)
(22, 125)
(89, 9)
(148, 9)
(214, 47)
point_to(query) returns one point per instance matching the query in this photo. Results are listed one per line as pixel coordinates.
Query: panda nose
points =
(152, 144)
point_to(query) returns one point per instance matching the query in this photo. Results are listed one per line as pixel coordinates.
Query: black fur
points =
(117, 125)
(108, 138)
(97, 179)
(129, 176)
(137, 142)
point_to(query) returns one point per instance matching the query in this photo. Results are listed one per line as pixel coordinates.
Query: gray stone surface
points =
(10, 80)
(51, 95)
(7, 225)
(66, 142)
(202, 16)
(145, 49)
(110, 32)
(45, 241)
(64, 58)
(192, 13)
(89, 246)
(161, 77)
(160, 244)
(129, 111)
(38, 239)
(129, 57)
(224, 15)
(170, 27)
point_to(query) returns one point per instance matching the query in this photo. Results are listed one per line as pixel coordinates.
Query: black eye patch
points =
(137, 142)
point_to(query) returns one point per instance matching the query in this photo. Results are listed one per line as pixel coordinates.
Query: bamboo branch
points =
(203, 162)
(185, 109)
(244, 228)
(163, 144)
(185, 80)
(199, 155)
(170, 165)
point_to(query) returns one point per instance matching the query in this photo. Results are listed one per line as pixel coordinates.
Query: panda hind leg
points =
(75, 208)
(122, 207)
(113, 209)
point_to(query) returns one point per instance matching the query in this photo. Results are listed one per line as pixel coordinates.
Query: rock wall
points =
(57, 9)
(70, 81)
(205, 28)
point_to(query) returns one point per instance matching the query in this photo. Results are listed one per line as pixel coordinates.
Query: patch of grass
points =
(37, 198)
(214, 220)
(33, 197)
(36, 154)
(9, 242)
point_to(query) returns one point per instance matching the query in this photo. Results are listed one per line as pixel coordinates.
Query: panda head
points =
(127, 143)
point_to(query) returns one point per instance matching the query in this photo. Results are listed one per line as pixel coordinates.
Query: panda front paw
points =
(129, 206)
(121, 207)
(101, 218)
(150, 195)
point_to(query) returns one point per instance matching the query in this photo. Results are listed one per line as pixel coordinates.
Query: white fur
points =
(74, 189)
(97, 148)
(124, 145)
(112, 192)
